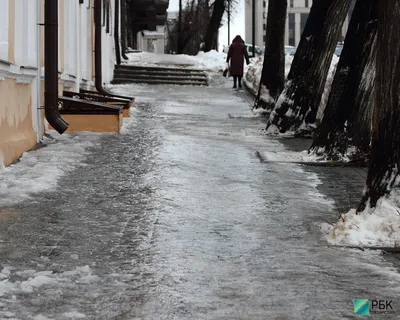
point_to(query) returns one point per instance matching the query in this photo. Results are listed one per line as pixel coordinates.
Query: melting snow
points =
(40, 170)
(36, 280)
(379, 226)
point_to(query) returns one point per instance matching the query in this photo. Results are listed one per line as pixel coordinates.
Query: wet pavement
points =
(176, 218)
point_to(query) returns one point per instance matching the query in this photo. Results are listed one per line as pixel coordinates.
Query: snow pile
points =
(157, 59)
(253, 75)
(328, 86)
(379, 226)
(40, 170)
(211, 60)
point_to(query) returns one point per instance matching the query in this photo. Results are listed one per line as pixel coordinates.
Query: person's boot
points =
(234, 83)
(240, 82)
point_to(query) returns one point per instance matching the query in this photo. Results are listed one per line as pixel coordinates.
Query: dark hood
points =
(238, 39)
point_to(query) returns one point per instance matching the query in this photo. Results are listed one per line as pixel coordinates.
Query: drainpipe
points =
(97, 53)
(123, 29)
(39, 72)
(51, 67)
(78, 52)
(97, 49)
(116, 32)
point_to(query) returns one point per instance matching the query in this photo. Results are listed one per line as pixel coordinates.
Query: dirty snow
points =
(40, 170)
(379, 226)
(253, 75)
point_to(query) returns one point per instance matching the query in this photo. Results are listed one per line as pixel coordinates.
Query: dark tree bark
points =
(385, 153)
(214, 25)
(273, 71)
(361, 130)
(302, 93)
(340, 123)
(123, 30)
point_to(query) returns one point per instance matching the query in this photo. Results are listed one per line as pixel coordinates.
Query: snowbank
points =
(253, 75)
(212, 60)
(379, 226)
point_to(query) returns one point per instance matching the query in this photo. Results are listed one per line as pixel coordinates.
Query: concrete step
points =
(149, 68)
(158, 75)
(159, 72)
(155, 81)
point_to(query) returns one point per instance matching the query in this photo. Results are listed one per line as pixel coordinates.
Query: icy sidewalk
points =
(176, 218)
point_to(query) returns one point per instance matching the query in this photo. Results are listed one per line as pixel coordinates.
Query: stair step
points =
(155, 81)
(158, 77)
(154, 72)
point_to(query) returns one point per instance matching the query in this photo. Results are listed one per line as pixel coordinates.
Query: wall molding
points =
(22, 74)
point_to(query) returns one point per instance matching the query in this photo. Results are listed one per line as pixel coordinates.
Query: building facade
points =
(297, 14)
(22, 64)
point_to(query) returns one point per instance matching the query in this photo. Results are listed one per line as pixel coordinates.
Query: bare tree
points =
(342, 125)
(211, 37)
(187, 35)
(123, 29)
(384, 166)
(273, 71)
(300, 99)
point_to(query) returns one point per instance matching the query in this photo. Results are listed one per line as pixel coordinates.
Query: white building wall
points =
(4, 26)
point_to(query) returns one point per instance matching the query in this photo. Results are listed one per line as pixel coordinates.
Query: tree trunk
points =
(300, 99)
(179, 49)
(213, 27)
(123, 30)
(273, 72)
(385, 153)
(338, 126)
(361, 131)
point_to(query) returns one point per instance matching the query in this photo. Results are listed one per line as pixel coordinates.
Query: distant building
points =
(146, 21)
(297, 14)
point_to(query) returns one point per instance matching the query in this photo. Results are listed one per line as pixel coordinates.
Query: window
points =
(292, 39)
(108, 17)
(264, 4)
(264, 26)
(307, 4)
(291, 3)
(4, 29)
(304, 17)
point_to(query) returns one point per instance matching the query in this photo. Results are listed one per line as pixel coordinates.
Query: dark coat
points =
(237, 52)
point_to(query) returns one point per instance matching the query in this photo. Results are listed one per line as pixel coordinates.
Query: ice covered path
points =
(176, 218)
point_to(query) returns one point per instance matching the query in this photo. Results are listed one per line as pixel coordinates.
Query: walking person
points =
(236, 54)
